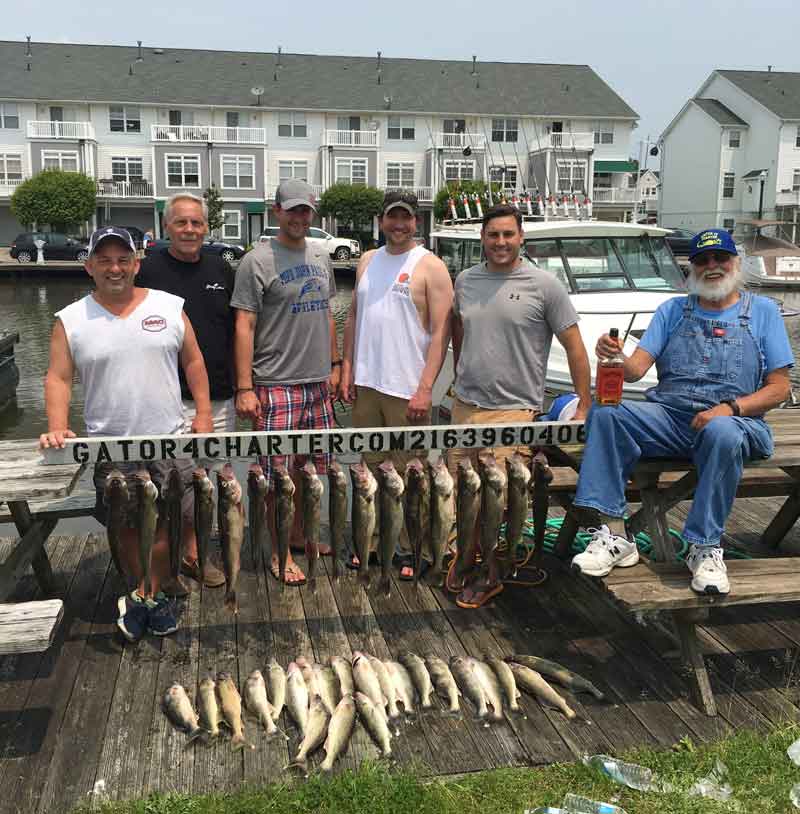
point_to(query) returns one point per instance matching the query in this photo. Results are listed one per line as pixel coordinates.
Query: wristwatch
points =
(733, 404)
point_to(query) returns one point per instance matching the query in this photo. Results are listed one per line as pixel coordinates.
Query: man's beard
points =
(717, 290)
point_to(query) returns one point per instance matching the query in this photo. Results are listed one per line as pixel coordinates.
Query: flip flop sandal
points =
(349, 560)
(293, 569)
(449, 579)
(470, 598)
(402, 561)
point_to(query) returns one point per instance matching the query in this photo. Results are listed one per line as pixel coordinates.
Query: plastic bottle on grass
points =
(794, 795)
(576, 804)
(714, 785)
(628, 774)
(794, 752)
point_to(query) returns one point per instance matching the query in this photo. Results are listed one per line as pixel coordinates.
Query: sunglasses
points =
(705, 258)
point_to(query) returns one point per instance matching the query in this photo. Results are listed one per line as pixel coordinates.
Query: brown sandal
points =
(478, 595)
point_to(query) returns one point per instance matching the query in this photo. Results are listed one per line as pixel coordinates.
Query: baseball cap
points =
(400, 198)
(719, 239)
(293, 192)
(99, 235)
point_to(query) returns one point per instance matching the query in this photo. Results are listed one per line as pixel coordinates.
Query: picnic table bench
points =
(663, 584)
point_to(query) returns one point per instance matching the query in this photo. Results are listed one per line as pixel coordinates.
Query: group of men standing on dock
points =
(179, 343)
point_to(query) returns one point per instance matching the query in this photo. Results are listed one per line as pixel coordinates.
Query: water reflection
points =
(28, 308)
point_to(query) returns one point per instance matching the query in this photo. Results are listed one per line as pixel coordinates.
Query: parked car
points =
(57, 246)
(680, 241)
(339, 248)
(227, 251)
(136, 233)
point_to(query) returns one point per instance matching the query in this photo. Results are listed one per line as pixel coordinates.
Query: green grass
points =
(760, 773)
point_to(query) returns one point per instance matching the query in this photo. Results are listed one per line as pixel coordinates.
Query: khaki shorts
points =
(470, 414)
(374, 409)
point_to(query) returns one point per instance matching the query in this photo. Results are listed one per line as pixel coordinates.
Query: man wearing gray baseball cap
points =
(287, 358)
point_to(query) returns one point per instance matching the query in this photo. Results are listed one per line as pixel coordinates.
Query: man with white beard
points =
(723, 358)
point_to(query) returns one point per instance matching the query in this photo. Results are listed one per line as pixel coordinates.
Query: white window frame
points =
(732, 223)
(183, 157)
(5, 175)
(352, 162)
(126, 159)
(294, 120)
(401, 128)
(238, 159)
(501, 125)
(403, 169)
(60, 155)
(573, 165)
(604, 133)
(504, 172)
(127, 118)
(225, 225)
(6, 114)
(796, 180)
(292, 166)
(460, 166)
(734, 136)
(728, 177)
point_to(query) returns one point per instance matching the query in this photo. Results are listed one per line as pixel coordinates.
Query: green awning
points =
(255, 207)
(160, 206)
(615, 166)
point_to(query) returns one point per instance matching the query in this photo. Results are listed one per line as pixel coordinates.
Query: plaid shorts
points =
(286, 407)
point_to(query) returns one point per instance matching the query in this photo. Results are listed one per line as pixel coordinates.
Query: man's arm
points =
(194, 368)
(247, 405)
(439, 296)
(336, 369)
(347, 388)
(57, 390)
(579, 369)
(777, 388)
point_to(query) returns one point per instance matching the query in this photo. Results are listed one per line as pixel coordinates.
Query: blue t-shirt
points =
(766, 325)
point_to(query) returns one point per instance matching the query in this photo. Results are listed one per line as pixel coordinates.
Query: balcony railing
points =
(71, 131)
(125, 189)
(424, 194)
(351, 138)
(8, 185)
(563, 141)
(208, 133)
(458, 141)
(614, 195)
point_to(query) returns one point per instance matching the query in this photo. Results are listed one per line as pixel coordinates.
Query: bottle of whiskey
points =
(610, 376)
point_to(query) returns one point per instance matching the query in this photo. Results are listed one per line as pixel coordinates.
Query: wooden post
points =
(29, 549)
(783, 521)
(685, 622)
(654, 517)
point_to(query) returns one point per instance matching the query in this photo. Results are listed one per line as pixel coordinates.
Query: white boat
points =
(769, 262)
(617, 274)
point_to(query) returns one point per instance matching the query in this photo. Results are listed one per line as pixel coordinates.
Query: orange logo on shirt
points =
(403, 278)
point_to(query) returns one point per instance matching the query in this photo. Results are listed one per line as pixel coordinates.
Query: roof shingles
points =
(778, 91)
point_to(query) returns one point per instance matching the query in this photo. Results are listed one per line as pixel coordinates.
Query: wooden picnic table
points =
(25, 478)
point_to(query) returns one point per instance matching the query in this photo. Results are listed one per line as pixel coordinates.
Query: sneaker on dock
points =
(604, 552)
(133, 616)
(709, 574)
(161, 620)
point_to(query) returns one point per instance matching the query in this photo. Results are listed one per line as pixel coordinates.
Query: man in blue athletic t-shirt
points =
(723, 357)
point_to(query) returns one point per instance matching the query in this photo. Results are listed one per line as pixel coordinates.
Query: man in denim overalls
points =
(723, 359)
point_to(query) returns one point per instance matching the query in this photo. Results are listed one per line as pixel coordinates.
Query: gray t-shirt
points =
(290, 290)
(509, 321)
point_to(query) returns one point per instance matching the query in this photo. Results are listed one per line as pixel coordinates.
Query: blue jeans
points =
(618, 436)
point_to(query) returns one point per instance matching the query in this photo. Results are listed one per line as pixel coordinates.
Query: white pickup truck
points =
(339, 248)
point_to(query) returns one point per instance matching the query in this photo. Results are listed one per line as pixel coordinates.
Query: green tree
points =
(350, 204)
(214, 203)
(58, 199)
(456, 189)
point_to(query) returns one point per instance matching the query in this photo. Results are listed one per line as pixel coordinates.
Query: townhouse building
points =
(732, 154)
(147, 122)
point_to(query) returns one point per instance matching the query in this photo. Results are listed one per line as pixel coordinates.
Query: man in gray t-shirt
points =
(505, 313)
(287, 358)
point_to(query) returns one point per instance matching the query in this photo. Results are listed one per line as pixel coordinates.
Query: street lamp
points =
(762, 177)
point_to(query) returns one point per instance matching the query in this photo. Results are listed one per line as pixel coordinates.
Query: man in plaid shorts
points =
(287, 359)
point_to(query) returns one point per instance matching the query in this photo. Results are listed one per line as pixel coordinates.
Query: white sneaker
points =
(709, 574)
(604, 552)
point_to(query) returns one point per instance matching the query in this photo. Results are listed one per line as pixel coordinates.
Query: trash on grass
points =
(714, 785)
(628, 774)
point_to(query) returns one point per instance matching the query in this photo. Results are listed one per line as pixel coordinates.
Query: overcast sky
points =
(654, 54)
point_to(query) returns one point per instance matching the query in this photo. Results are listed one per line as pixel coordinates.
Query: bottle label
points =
(610, 379)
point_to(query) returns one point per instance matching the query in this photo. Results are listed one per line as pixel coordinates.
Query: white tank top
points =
(391, 345)
(128, 366)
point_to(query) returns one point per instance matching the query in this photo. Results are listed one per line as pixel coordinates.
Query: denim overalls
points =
(705, 361)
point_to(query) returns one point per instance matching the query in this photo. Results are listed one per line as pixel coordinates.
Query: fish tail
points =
(385, 585)
(194, 735)
(230, 602)
(363, 576)
(335, 564)
(596, 693)
(312, 584)
(299, 763)
(239, 742)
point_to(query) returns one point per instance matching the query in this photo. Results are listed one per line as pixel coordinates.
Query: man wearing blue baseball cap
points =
(723, 358)
(125, 343)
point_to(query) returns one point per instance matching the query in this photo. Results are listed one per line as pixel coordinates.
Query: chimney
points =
(139, 57)
(474, 65)
(769, 67)
(28, 52)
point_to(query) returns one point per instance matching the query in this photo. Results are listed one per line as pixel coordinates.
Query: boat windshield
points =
(606, 264)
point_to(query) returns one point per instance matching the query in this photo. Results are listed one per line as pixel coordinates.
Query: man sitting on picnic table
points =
(125, 343)
(723, 359)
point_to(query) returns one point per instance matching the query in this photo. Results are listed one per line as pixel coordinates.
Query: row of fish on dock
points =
(427, 503)
(324, 700)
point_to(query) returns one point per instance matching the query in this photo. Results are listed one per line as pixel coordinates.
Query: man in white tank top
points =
(397, 333)
(125, 343)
